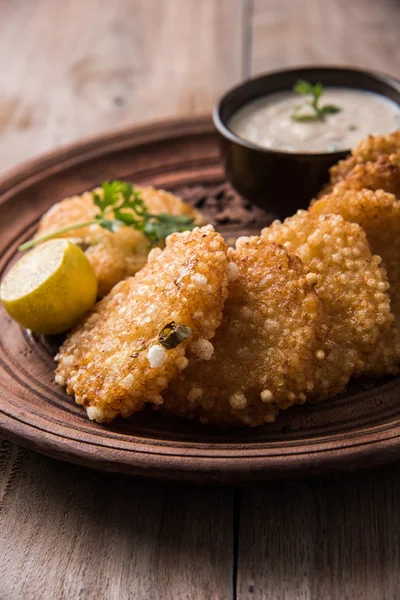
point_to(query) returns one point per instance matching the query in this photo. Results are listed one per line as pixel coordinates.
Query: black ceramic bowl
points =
(279, 181)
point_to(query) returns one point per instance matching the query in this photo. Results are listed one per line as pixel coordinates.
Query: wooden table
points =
(76, 67)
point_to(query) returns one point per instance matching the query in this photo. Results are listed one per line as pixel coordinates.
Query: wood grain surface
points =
(90, 65)
(339, 32)
(332, 538)
(69, 533)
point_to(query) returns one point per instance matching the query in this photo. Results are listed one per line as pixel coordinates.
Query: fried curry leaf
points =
(173, 334)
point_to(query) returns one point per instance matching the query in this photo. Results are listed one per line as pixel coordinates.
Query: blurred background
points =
(72, 68)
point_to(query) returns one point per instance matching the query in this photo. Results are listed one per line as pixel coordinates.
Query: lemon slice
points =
(50, 289)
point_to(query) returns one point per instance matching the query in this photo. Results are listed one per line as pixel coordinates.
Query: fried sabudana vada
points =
(113, 255)
(351, 284)
(266, 349)
(382, 174)
(114, 362)
(378, 214)
(369, 150)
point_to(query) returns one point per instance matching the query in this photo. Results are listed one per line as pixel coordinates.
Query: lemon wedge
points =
(50, 288)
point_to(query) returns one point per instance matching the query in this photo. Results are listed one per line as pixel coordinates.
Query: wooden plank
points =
(328, 538)
(68, 532)
(360, 32)
(74, 68)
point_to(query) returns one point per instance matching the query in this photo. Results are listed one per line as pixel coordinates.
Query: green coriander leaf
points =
(121, 205)
(110, 196)
(303, 87)
(99, 202)
(111, 190)
(161, 226)
(130, 198)
(127, 192)
(110, 225)
(329, 109)
(317, 91)
(151, 231)
(128, 218)
(304, 118)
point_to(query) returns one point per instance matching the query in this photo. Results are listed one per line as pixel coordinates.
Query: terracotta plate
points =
(359, 429)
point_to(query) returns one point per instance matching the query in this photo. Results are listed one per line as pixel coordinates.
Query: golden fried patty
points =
(351, 284)
(114, 256)
(114, 362)
(382, 174)
(369, 150)
(378, 214)
(265, 352)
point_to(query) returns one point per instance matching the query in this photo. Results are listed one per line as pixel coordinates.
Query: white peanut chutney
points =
(267, 121)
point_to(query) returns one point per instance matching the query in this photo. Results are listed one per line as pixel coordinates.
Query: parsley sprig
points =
(320, 112)
(119, 205)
